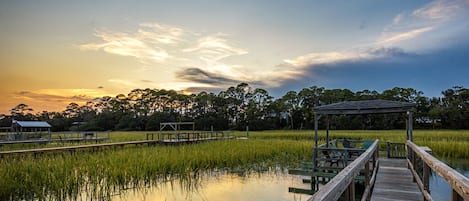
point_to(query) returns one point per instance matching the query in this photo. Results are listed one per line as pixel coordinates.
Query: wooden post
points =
(375, 156)
(349, 194)
(407, 127)
(388, 149)
(247, 131)
(426, 177)
(327, 131)
(316, 119)
(411, 137)
(314, 181)
(414, 164)
(367, 177)
(455, 196)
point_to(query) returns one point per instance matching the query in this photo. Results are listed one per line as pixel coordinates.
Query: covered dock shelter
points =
(31, 129)
(363, 107)
(392, 178)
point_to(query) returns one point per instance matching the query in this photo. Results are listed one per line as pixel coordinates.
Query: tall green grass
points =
(444, 143)
(99, 175)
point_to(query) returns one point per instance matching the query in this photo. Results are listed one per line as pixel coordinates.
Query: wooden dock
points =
(391, 179)
(64, 137)
(167, 141)
(394, 182)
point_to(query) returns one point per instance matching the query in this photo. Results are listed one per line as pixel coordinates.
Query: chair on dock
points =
(367, 144)
(334, 156)
(347, 144)
(331, 158)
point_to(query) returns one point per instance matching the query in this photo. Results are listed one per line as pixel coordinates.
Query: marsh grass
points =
(444, 143)
(99, 175)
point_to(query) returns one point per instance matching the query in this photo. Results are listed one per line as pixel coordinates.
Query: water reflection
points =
(439, 189)
(271, 185)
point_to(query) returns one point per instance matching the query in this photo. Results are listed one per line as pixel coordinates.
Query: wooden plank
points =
(300, 190)
(394, 182)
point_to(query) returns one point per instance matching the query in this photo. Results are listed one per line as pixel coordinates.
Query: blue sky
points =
(56, 52)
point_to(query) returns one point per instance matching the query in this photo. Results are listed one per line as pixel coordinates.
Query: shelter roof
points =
(365, 107)
(33, 124)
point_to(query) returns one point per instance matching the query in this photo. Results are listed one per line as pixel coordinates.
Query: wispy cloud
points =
(121, 82)
(172, 47)
(398, 19)
(161, 34)
(214, 48)
(154, 42)
(127, 45)
(441, 9)
(198, 60)
(327, 58)
(433, 17)
(49, 95)
(430, 18)
(151, 42)
(392, 38)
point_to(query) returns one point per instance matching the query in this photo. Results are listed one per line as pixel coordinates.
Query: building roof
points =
(365, 107)
(33, 124)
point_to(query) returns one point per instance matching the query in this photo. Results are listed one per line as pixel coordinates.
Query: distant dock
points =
(162, 139)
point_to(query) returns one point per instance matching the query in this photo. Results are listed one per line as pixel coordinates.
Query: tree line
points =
(240, 106)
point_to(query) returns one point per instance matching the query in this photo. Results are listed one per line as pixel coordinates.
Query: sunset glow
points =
(57, 52)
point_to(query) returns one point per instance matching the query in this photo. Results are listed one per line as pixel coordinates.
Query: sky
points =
(54, 52)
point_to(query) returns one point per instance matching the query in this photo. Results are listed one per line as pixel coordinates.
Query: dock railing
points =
(421, 163)
(188, 136)
(396, 149)
(343, 184)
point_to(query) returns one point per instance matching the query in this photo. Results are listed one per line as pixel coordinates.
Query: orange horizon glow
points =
(56, 52)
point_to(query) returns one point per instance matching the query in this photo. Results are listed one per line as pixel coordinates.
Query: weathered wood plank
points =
(300, 190)
(394, 182)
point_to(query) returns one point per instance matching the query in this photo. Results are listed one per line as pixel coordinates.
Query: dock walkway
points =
(394, 182)
(114, 144)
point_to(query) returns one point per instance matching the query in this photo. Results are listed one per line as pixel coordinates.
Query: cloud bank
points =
(199, 60)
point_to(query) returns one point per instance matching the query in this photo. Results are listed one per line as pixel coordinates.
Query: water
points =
(439, 189)
(272, 186)
(254, 186)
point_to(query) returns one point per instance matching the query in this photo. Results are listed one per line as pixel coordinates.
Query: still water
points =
(439, 189)
(254, 186)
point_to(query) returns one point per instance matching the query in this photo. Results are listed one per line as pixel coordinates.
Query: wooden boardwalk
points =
(393, 179)
(115, 144)
(394, 182)
(44, 141)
